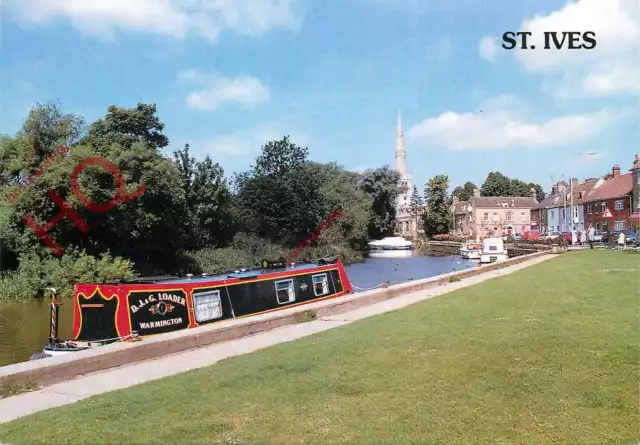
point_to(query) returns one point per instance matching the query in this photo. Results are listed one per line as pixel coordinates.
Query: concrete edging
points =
(57, 369)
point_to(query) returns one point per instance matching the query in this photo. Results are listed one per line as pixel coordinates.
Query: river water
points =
(24, 325)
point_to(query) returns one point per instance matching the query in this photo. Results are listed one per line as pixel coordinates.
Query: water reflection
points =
(24, 326)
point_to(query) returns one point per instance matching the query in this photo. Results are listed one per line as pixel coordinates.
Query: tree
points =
(125, 126)
(464, 193)
(381, 185)
(438, 217)
(46, 127)
(279, 158)
(208, 201)
(498, 184)
(279, 199)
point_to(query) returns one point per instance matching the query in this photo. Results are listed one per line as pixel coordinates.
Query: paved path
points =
(125, 376)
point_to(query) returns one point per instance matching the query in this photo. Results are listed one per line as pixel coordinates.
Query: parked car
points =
(554, 235)
(630, 236)
(597, 236)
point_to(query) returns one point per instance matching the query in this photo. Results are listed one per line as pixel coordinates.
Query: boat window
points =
(207, 305)
(320, 284)
(285, 291)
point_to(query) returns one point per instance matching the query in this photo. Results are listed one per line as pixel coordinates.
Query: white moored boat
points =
(391, 243)
(471, 250)
(493, 251)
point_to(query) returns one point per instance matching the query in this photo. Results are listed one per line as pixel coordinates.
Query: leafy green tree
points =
(438, 217)
(126, 126)
(498, 184)
(464, 193)
(208, 201)
(279, 198)
(381, 185)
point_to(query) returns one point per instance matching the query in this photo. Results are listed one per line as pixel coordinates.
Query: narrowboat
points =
(108, 313)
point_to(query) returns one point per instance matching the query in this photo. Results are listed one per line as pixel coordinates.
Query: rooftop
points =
(616, 187)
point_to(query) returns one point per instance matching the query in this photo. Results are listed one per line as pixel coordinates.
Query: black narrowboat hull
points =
(109, 313)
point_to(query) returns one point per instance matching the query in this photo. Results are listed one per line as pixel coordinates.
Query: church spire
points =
(401, 154)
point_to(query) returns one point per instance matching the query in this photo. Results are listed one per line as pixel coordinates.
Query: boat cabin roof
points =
(238, 274)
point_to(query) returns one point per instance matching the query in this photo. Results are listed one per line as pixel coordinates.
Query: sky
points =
(229, 75)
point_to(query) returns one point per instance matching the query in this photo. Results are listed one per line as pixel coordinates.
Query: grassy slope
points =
(549, 354)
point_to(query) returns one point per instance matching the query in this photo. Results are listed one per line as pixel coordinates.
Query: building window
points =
(320, 284)
(523, 216)
(207, 306)
(597, 226)
(575, 212)
(551, 213)
(564, 216)
(589, 209)
(619, 204)
(486, 216)
(558, 228)
(618, 225)
(509, 216)
(495, 216)
(285, 291)
(603, 206)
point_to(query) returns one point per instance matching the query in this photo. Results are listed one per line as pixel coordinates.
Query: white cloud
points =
(172, 18)
(212, 90)
(501, 123)
(612, 67)
(488, 48)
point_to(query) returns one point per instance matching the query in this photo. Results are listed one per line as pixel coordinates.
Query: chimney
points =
(476, 193)
(574, 182)
(534, 193)
(615, 170)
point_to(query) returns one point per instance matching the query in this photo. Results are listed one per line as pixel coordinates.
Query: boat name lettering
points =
(160, 323)
(160, 297)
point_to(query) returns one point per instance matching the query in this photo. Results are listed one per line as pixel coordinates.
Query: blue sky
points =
(227, 75)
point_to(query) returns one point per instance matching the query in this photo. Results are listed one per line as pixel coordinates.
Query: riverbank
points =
(179, 345)
(547, 354)
(25, 323)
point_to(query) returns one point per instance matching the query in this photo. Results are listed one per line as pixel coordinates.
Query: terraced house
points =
(608, 206)
(484, 216)
(558, 212)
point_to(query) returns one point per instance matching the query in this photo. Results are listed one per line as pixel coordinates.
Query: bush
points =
(75, 266)
(449, 237)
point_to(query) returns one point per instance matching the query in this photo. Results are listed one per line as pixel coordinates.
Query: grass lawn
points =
(549, 354)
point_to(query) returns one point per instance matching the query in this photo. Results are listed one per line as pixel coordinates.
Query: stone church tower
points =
(406, 223)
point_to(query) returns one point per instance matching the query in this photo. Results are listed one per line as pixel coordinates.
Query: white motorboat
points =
(471, 250)
(390, 253)
(493, 251)
(391, 243)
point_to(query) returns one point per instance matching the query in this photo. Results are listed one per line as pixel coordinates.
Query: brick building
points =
(608, 205)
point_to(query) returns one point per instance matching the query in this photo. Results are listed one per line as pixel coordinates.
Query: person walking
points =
(574, 237)
(591, 235)
(621, 241)
(583, 237)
